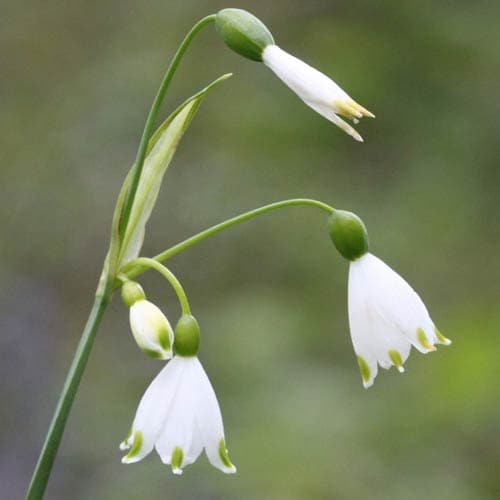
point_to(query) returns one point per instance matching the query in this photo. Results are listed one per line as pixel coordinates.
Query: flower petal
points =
(180, 431)
(317, 90)
(328, 113)
(396, 301)
(209, 419)
(151, 413)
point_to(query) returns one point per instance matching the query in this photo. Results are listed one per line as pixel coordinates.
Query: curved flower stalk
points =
(386, 316)
(179, 414)
(249, 37)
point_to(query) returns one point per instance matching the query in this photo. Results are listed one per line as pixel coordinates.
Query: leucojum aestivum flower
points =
(179, 414)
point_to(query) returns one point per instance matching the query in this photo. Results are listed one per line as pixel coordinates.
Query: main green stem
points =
(43, 468)
(135, 268)
(47, 456)
(153, 114)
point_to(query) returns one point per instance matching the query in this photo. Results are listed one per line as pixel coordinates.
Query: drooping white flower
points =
(386, 317)
(317, 90)
(179, 415)
(249, 37)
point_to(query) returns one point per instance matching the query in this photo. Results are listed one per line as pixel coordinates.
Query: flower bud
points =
(348, 234)
(243, 33)
(187, 336)
(151, 329)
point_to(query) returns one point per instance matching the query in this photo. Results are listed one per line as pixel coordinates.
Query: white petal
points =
(209, 419)
(328, 113)
(360, 324)
(396, 302)
(180, 429)
(152, 411)
(307, 82)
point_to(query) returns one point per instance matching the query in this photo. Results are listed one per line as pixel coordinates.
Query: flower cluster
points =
(178, 414)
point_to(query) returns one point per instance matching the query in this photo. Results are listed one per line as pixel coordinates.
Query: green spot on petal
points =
(153, 354)
(164, 339)
(441, 338)
(396, 359)
(177, 456)
(136, 445)
(422, 340)
(364, 369)
(224, 455)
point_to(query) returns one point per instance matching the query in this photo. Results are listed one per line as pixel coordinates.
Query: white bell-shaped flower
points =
(386, 317)
(180, 416)
(317, 90)
(179, 413)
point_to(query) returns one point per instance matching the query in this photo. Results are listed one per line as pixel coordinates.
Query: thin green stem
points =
(54, 435)
(134, 268)
(47, 456)
(146, 262)
(153, 113)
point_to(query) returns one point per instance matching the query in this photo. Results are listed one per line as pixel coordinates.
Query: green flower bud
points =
(131, 293)
(187, 336)
(243, 33)
(348, 234)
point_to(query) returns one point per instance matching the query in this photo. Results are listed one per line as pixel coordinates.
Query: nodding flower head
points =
(386, 316)
(249, 37)
(179, 413)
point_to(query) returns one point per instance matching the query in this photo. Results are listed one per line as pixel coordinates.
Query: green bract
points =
(187, 336)
(349, 235)
(162, 145)
(243, 33)
(131, 293)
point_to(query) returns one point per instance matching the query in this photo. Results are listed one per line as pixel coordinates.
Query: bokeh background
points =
(76, 82)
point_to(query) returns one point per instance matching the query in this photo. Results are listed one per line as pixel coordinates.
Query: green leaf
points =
(161, 149)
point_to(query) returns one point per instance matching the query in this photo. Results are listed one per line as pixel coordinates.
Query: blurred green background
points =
(76, 82)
